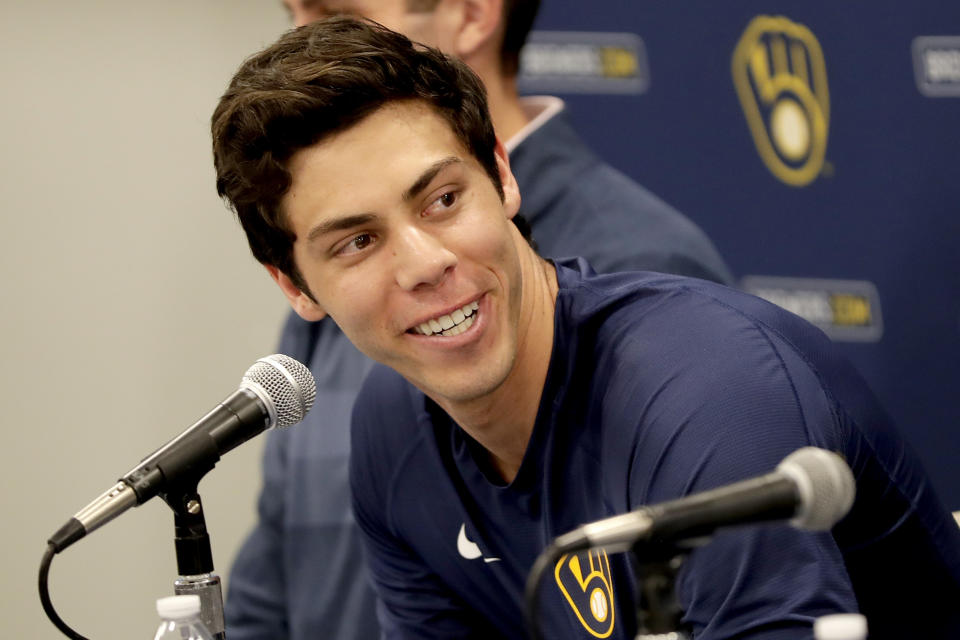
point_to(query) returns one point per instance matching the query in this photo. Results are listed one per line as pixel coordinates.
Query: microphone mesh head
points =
(826, 486)
(287, 383)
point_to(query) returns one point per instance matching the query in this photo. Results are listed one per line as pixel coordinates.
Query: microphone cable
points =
(45, 595)
(283, 388)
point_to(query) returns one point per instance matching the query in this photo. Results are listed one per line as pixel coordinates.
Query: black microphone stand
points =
(659, 615)
(194, 556)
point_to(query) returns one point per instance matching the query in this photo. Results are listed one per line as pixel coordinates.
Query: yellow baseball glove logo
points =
(781, 80)
(587, 584)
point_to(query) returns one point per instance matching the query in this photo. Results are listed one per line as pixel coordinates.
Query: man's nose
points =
(422, 260)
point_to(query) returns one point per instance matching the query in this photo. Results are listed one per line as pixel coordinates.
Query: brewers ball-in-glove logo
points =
(781, 80)
(587, 584)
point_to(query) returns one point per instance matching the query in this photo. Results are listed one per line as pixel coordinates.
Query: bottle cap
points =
(840, 626)
(178, 607)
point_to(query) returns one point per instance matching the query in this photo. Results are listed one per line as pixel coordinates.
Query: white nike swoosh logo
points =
(469, 549)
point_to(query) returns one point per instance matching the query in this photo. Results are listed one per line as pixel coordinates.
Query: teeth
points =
(452, 324)
(460, 328)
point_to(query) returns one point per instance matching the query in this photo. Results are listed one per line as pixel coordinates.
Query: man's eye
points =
(444, 202)
(361, 241)
(358, 243)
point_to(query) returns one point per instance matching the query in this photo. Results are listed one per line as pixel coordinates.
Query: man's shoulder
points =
(554, 162)
(577, 204)
(639, 294)
(668, 325)
(688, 304)
(681, 367)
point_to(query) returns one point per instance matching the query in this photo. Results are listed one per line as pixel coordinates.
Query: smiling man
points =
(523, 397)
(401, 263)
(305, 519)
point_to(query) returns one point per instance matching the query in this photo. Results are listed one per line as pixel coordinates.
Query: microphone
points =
(276, 391)
(813, 488)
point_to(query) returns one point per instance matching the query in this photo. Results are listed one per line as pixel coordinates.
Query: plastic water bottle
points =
(180, 619)
(840, 626)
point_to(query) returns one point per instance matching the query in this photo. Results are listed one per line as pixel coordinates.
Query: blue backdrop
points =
(817, 143)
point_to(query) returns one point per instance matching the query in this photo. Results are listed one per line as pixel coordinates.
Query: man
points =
(305, 518)
(527, 397)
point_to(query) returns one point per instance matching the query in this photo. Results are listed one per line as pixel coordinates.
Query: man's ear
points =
(303, 304)
(479, 27)
(511, 191)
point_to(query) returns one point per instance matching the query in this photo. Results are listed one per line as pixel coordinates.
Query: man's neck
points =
(502, 422)
(508, 115)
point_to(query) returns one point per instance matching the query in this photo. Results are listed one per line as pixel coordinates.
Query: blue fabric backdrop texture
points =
(818, 144)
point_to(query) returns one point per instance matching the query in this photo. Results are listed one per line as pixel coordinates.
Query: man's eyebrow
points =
(427, 176)
(360, 219)
(339, 224)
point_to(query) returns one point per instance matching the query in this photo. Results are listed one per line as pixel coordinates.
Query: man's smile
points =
(449, 324)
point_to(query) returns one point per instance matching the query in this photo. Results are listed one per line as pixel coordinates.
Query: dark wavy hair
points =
(315, 81)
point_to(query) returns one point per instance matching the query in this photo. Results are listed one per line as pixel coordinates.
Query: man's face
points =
(399, 233)
(419, 20)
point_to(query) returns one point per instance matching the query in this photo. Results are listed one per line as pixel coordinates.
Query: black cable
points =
(45, 595)
(532, 590)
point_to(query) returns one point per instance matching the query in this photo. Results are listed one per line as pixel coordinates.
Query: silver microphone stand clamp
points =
(194, 557)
